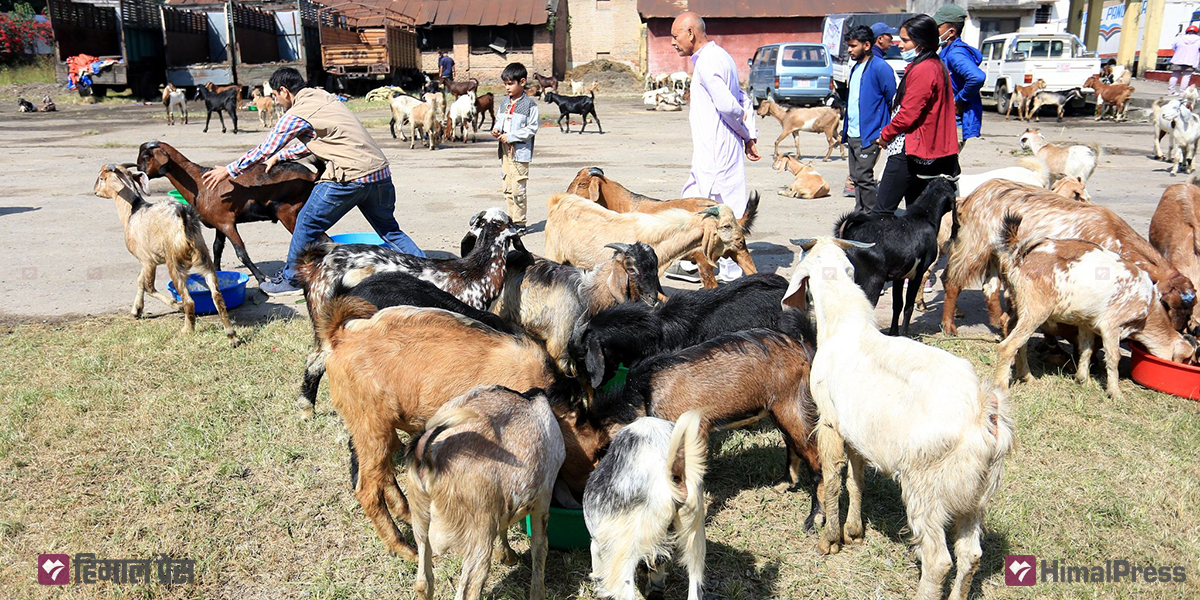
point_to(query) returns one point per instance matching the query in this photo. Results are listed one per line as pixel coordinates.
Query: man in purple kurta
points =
(722, 120)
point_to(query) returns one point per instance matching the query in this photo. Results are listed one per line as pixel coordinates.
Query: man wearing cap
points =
(883, 38)
(1187, 55)
(966, 78)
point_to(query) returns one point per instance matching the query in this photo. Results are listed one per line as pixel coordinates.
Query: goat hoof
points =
(405, 551)
(827, 548)
(306, 408)
(852, 533)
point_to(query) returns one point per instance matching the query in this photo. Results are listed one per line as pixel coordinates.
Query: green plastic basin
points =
(176, 196)
(566, 529)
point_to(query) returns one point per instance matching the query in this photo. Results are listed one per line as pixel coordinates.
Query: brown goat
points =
(1175, 232)
(253, 196)
(459, 88)
(376, 389)
(1072, 188)
(808, 182)
(593, 184)
(268, 110)
(485, 104)
(546, 83)
(1022, 96)
(428, 117)
(1114, 94)
(820, 119)
(158, 233)
(1047, 215)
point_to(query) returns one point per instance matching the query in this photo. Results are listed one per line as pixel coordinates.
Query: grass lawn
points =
(38, 71)
(124, 439)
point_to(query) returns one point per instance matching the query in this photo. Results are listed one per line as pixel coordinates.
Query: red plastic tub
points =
(1164, 375)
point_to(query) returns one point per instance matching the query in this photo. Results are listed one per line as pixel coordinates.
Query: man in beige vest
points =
(356, 171)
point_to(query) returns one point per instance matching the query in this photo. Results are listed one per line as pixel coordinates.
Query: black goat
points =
(628, 333)
(25, 106)
(577, 105)
(410, 80)
(905, 247)
(220, 102)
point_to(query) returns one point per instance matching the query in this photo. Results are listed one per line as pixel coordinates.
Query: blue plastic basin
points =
(233, 290)
(367, 237)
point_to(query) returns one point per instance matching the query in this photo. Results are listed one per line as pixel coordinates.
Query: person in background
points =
(871, 87)
(356, 171)
(921, 139)
(1106, 71)
(723, 129)
(516, 128)
(1187, 55)
(883, 38)
(445, 66)
(963, 63)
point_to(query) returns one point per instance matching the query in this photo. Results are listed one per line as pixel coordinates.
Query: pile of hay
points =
(613, 76)
(383, 94)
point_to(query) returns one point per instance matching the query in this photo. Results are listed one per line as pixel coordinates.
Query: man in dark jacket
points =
(871, 86)
(883, 38)
(966, 78)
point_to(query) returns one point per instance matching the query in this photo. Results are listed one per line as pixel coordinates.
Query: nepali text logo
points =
(53, 569)
(1020, 569)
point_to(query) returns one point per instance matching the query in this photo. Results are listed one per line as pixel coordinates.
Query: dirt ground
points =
(64, 249)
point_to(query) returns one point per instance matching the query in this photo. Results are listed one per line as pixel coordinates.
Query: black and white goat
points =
(902, 247)
(647, 495)
(574, 105)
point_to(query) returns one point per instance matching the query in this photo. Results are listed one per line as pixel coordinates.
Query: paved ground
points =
(64, 252)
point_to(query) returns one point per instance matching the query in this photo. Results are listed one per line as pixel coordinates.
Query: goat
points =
(268, 110)
(458, 88)
(1185, 133)
(221, 103)
(25, 106)
(462, 116)
(647, 495)
(429, 117)
(1075, 160)
(545, 83)
(897, 248)
(217, 89)
(1047, 215)
(485, 103)
(592, 183)
(469, 484)
(159, 233)
(819, 119)
(1059, 100)
(1022, 96)
(1029, 170)
(401, 113)
(578, 105)
(174, 98)
(1072, 188)
(48, 104)
(255, 195)
(578, 231)
(1175, 232)
(550, 300)
(411, 79)
(376, 391)
(1073, 282)
(330, 270)
(1115, 95)
(679, 80)
(912, 411)
(1166, 110)
(651, 97)
(808, 183)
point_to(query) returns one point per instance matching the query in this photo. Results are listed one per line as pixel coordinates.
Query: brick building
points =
(608, 29)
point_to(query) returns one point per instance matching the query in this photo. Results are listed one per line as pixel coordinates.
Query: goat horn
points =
(596, 172)
(851, 243)
(805, 243)
(619, 247)
(712, 211)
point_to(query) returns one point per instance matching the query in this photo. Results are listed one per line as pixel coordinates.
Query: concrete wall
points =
(739, 37)
(487, 67)
(610, 29)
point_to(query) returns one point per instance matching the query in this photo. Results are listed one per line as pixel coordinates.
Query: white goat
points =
(1166, 110)
(680, 80)
(462, 116)
(576, 87)
(1075, 160)
(175, 99)
(645, 496)
(1185, 132)
(402, 106)
(914, 412)
(1029, 170)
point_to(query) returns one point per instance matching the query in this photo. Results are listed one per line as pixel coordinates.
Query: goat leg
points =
(539, 546)
(179, 278)
(852, 531)
(240, 248)
(802, 453)
(898, 304)
(706, 267)
(314, 370)
(949, 304)
(832, 449)
(221, 117)
(210, 277)
(208, 120)
(145, 282)
(916, 288)
(218, 249)
(597, 120)
(233, 117)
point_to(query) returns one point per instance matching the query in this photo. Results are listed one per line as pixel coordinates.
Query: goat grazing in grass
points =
(255, 195)
(577, 105)
(592, 183)
(469, 484)
(1075, 160)
(159, 233)
(550, 300)
(175, 99)
(1175, 232)
(912, 411)
(647, 495)
(1108, 95)
(808, 182)
(819, 119)
(220, 102)
(1060, 282)
(898, 248)
(1021, 97)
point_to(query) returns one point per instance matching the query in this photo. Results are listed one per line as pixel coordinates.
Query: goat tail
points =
(336, 313)
(687, 453)
(747, 220)
(1039, 167)
(420, 460)
(1000, 438)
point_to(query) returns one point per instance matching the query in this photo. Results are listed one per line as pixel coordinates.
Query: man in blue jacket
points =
(963, 63)
(872, 85)
(884, 35)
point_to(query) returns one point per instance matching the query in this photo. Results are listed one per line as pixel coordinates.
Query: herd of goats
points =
(499, 365)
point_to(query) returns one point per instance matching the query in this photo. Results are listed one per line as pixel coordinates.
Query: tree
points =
(20, 33)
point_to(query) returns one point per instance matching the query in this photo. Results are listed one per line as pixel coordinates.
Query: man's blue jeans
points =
(330, 201)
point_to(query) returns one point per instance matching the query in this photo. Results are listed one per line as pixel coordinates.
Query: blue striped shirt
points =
(294, 130)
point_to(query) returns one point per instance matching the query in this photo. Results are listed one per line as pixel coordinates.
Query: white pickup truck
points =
(1015, 59)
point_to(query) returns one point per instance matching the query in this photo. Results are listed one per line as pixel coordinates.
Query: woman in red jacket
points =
(922, 139)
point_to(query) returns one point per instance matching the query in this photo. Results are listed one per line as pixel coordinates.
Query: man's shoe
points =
(677, 272)
(278, 286)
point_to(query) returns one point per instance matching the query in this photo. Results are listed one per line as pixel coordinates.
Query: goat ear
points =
(711, 211)
(141, 181)
(594, 362)
(797, 295)
(594, 188)
(618, 282)
(467, 244)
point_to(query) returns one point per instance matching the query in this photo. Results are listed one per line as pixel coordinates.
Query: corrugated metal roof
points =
(433, 12)
(650, 9)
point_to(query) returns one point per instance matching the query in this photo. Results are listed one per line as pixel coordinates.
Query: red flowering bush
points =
(19, 33)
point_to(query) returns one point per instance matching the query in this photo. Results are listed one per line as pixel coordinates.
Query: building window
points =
(1042, 14)
(512, 38)
(435, 38)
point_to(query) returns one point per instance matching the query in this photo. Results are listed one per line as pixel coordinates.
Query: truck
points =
(197, 41)
(1014, 59)
(124, 37)
(834, 37)
(1177, 16)
(269, 35)
(371, 47)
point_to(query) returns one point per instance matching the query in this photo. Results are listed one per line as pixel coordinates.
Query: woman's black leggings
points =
(905, 178)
